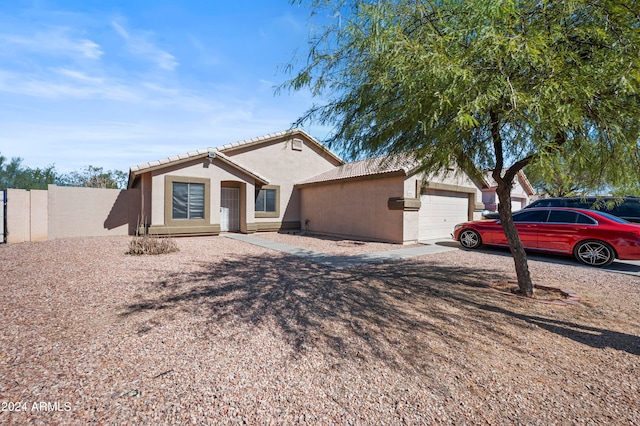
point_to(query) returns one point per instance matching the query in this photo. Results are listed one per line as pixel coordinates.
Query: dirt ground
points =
(223, 332)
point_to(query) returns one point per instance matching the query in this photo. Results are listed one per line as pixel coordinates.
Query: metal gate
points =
(230, 210)
(3, 217)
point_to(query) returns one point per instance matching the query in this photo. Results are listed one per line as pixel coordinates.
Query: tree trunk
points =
(525, 284)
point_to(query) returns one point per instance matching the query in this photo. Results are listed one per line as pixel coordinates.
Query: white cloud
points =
(58, 41)
(78, 75)
(140, 45)
(205, 54)
(73, 84)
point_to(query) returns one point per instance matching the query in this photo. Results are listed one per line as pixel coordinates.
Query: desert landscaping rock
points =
(224, 332)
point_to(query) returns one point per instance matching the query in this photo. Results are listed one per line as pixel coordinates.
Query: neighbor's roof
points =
(372, 167)
(276, 136)
(526, 185)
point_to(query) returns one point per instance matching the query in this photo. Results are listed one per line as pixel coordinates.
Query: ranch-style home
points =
(290, 181)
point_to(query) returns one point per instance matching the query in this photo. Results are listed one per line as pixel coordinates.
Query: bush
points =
(151, 245)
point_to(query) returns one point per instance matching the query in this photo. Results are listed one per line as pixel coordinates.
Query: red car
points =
(594, 238)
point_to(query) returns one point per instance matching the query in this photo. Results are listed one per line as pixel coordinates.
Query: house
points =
(521, 192)
(289, 180)
(244, 187)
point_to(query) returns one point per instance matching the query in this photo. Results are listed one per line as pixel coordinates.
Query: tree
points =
(568, 175)
(490, 84)
(14, 175)
(96, 177)
(562, 178)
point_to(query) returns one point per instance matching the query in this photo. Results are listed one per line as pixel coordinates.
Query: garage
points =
(516, 204)
(440, 211)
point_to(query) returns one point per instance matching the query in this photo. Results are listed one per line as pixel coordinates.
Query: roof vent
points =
(296, 144)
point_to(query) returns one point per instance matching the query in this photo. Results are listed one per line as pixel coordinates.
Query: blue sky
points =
(117, 83)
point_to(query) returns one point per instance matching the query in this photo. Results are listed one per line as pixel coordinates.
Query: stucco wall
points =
(216, 172)
(518, 192)
(356, 209)
(89, 212)
(18, 216)
(279, 163)
(448, 181)
(62, 212)
(39, 213)
(26, 215)
(146, 201)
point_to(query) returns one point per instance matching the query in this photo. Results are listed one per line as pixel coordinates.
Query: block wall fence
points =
(65, 212)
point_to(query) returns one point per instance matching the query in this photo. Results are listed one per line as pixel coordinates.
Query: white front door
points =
(230, 210)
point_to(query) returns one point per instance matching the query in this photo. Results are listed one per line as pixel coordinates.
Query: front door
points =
(230, 210)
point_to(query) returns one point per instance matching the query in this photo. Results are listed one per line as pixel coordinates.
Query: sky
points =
(116, 83)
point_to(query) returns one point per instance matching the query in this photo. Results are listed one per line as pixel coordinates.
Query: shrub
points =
(151, 245)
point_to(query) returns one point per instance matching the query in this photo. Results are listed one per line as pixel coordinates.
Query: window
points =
(531, 216)
(187, 200)
(561, 216)
(585, 219)
(266, 200)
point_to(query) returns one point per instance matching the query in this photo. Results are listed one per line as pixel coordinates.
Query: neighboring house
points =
(289, 180)
(521, 192)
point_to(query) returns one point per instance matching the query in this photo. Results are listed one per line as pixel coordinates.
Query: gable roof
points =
(279, 135)
(194, 155)
(363, 169)
(221, 154)
(524, 181)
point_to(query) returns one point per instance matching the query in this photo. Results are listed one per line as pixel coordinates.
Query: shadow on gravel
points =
(396, 313)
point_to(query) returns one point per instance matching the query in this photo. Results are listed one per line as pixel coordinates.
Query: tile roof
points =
(202, 153)
(524, 181)
(220, 152)
(364, 168)
(278, 135)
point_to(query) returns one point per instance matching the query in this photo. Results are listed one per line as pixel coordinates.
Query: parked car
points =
(628, 208)
(593, 237)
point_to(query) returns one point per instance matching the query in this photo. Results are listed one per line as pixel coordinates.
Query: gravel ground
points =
(223, 332)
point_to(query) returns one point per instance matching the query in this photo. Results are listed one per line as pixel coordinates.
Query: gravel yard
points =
(223, 332)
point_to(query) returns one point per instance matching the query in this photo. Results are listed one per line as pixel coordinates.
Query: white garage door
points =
(440, 211)
(516, 204)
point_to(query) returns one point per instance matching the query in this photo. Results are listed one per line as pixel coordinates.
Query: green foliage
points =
(500, 83)
(495, 84)
(96, 177)
(14, 175)
(562, 176)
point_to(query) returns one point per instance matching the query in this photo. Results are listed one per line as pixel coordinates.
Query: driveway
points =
(629, 267)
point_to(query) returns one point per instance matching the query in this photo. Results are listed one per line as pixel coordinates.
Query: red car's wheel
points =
(594, 253)
(470, 239)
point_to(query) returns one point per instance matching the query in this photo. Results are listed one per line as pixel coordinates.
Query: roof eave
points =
(382, 175)
(136, 171)
(275, 136)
